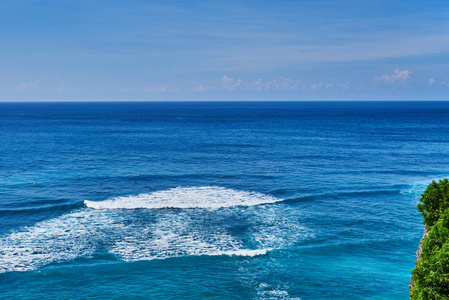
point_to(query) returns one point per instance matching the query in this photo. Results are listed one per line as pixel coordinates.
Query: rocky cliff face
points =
(419, 251)
(418, 254)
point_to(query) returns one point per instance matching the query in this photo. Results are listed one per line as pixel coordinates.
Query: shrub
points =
(430, 278)
(435, 200)
(431, 275)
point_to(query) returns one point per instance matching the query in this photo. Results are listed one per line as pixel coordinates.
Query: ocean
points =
(215, 200)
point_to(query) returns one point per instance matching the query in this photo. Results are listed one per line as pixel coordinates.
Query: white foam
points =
(156, 234)
(178, 236)
(279, 230)
(181, 197)
(245, 252)
(265, 291)
(276, 294)
(60, 239)
(175, 235)
(416, 189)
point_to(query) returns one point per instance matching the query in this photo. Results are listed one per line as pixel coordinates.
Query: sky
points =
(139, 50)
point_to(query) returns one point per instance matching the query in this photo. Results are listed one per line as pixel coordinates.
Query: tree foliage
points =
(430, 278)
(435, 200)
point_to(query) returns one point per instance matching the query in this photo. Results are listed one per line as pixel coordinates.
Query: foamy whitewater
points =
(193, 197)
(129, 238)
(215, 200)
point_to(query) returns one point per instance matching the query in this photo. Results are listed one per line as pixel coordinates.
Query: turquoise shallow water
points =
(225, 200)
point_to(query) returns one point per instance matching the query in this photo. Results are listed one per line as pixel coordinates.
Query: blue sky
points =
(224, 50)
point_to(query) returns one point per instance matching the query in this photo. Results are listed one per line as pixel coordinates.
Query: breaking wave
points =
(180, 197)
(132, 235)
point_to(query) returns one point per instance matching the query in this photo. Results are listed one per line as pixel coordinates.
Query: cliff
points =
(430, 278)
(421, 244)
(418, 255)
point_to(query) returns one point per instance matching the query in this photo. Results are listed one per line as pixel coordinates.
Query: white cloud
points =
(432, 82)
(124, 89)
(230, 84)
(445, 83)
(278, 83)
(330, 84)
(21, 87)
(26, 86)
(316, 85)
(156, 89)
(333, 84)
(344, 86)
(203, 88)
(282, 83)
(255, 85)
(397, 78)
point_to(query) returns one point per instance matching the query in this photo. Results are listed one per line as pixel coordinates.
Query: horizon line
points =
(168, 101)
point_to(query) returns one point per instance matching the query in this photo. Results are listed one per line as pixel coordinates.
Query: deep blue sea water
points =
(224, 200)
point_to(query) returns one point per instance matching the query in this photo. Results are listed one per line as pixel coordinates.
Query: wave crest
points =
(186, 197)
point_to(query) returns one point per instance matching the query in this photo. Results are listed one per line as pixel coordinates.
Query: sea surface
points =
(215, 200)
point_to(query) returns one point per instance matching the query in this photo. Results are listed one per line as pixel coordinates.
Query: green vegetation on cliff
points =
(430, 278)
